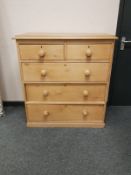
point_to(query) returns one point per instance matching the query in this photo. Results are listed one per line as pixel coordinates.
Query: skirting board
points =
(13, 103)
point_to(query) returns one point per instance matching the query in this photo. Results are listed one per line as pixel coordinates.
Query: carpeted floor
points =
(31, 151)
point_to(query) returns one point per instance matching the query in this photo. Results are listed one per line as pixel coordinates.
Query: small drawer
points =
(89, 51)
(65, 92)
(60, 113)
(74, 72)
(41, 52)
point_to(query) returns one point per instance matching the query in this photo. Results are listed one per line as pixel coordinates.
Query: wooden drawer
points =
(89, 51)
(60, 113)
(65, 72)
(42, 52)
(65, 92)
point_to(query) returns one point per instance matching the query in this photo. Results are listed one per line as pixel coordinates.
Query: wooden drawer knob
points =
(85, 93)
(85, 113)
(45, 93)
(43, 73)
(46, 113)
(87, 73)
(88, 52)
(41, 53)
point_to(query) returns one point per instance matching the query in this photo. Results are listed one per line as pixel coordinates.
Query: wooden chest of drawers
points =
(65, 78)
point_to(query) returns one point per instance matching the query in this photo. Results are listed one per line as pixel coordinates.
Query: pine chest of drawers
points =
(65, 78)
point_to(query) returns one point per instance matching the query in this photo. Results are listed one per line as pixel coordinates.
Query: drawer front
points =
(66, 92)
(89, 52)
(65, 72)
(50, 113)
(42, 52)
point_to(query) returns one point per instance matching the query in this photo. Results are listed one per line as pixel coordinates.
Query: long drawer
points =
(65, 72)
(59, 113)
(65, 92)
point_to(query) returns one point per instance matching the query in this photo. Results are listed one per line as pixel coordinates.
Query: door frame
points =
(117, 47)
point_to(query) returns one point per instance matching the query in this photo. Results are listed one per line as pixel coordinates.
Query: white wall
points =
(20, 16)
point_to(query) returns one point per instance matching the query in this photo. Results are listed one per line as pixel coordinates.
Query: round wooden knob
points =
(45, 93)
(45, 113)
(85, 93)
(43, 73)
(41, 53)
(87, 73)
(88, 52)
(85, 113)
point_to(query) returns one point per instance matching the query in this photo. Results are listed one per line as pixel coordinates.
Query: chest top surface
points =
(65, 36)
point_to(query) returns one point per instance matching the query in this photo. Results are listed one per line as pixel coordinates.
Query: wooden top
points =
(64, 36)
